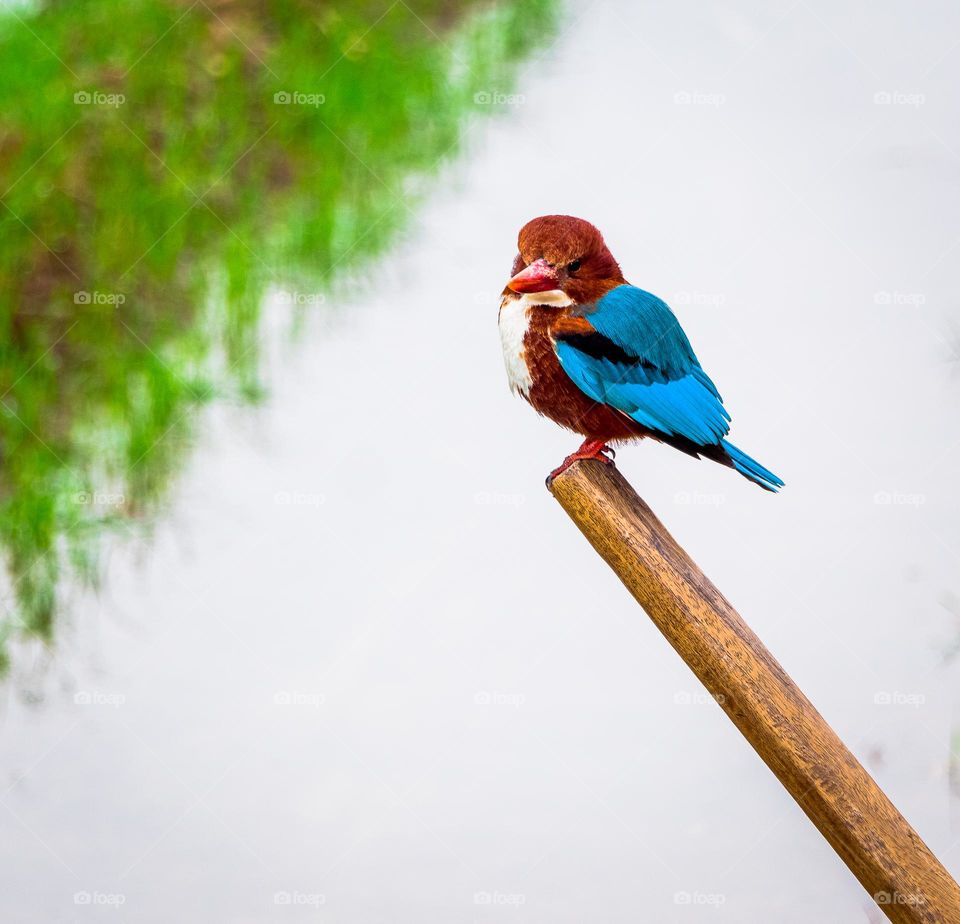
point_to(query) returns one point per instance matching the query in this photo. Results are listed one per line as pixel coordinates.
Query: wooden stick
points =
(862, 825)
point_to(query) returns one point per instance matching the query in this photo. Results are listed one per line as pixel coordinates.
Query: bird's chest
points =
(529, 354)
(534, 371)
(528, 349)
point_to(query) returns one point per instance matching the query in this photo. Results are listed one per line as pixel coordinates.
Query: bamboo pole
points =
(862, 825)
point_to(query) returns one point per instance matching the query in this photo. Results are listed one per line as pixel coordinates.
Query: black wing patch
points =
(597, 346)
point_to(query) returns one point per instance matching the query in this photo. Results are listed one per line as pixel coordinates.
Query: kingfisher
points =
(603, 358)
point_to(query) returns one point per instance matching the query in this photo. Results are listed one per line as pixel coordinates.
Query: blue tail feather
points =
(750, 468)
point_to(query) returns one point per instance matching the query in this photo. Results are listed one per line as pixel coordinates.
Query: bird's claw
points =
(591, 449)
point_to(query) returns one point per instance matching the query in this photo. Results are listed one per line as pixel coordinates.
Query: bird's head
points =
(563, 256)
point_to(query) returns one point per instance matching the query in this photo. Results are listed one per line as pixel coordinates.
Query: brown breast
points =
(554, 395)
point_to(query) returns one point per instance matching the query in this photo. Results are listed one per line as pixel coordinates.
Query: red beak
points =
(539, 276)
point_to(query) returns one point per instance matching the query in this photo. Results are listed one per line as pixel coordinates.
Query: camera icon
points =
(82, 98)
(82, 898)
(82, 298)
(281, 98)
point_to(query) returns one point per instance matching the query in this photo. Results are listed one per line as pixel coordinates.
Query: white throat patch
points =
(514, 320)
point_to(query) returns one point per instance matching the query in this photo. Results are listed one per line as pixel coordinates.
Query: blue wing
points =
(640, 362)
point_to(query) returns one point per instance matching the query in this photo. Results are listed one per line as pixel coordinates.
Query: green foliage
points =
(141, 223)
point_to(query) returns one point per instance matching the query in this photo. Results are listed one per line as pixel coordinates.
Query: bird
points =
(604, 358)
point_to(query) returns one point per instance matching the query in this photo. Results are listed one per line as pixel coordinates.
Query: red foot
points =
(591, 449)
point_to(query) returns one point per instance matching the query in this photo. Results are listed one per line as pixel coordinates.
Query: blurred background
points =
(291, 630)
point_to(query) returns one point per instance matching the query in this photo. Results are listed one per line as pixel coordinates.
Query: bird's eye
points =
(573, 267)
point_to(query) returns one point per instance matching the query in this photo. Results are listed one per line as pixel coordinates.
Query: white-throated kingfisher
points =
(604, 358)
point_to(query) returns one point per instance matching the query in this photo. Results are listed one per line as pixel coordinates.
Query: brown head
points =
(559, 252)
